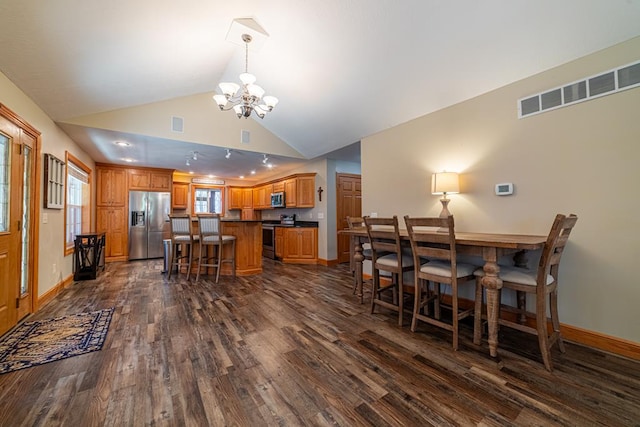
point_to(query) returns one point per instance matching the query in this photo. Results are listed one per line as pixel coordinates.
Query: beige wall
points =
(581, 159)
(53, 265)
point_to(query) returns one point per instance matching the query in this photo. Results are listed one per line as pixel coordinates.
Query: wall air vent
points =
(612, 81)
(177, 124)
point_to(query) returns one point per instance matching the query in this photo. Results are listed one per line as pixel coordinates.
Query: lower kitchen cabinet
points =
(112, 221)
(300, 245)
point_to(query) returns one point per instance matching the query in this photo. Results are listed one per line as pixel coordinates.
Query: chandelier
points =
(249, 98)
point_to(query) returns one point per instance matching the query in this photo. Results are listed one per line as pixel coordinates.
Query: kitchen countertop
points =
(311, 224)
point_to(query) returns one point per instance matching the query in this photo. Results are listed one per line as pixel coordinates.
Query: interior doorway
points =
(348, 203)
(18, 195)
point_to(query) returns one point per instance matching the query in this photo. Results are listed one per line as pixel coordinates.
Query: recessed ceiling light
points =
(191, 172)
(122, 143)
(128, 160)
(211, 176)
(241, 177)
(253, 172)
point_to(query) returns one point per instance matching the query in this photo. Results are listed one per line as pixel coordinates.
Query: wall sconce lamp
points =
(443, 183)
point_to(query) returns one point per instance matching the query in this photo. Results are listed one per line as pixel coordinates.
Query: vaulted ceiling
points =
(342, 70)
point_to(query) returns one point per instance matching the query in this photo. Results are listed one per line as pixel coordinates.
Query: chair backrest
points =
(180, 225)
(209, 225)
(554, 246)
(355, 222)
(432, 238)
(384, 236)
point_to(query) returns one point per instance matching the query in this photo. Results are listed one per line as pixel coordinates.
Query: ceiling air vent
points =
(612, 81)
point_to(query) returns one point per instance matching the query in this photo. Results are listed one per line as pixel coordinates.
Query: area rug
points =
(39, 342)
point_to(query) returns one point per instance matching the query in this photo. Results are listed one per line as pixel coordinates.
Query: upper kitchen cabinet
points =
(150, 179)
(111, 186)
(305, 186)
(180, 195)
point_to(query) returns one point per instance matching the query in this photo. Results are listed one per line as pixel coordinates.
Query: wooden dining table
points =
(490, 246)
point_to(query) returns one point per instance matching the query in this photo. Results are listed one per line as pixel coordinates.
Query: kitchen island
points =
(248, 235)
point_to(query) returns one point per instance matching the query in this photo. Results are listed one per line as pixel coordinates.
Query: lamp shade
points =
(445, 183)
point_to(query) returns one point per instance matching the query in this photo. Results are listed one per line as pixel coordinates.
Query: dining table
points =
(490, 246)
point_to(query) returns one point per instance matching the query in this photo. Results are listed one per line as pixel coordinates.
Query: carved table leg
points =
(358, 258)
(493, 284)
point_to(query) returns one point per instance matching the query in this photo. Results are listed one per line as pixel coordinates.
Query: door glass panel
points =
(5, 144)
(26, 220)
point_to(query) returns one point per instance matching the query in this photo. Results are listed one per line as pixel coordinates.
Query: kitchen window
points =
(77, 210)
(208, 199)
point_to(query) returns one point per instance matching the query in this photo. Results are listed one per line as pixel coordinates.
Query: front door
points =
(17, 205)
(348, 203)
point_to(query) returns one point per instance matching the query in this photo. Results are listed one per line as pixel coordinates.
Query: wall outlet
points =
(45, 218)
(54, 268)
(320, 215)
(374, 214)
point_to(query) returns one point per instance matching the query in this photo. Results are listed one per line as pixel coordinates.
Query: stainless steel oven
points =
(268, 241)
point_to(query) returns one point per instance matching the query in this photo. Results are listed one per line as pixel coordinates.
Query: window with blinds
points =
(78, 198)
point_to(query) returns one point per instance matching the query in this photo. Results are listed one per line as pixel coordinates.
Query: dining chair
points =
(433, 243)
(357, 222)
(387, 255)
(541, 282)
(182, 241)
(210, 233)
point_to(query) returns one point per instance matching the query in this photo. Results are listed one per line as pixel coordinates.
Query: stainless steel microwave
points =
(277, 200)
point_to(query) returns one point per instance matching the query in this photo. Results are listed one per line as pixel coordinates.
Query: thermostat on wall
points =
(504, 189)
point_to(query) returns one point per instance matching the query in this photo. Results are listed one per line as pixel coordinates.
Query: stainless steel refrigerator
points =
(148, 223)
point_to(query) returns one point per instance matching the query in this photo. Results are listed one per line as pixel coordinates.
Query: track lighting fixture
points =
(188, 162)
(265, 159)
(228, 155)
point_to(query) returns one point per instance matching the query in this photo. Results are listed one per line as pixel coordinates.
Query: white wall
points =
(580, 159)
(53, 265)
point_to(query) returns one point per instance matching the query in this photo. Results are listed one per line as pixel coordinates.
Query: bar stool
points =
(210, 233)
(388, 256)
(181, 236)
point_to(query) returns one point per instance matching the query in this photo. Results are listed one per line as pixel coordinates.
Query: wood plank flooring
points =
(293, 347)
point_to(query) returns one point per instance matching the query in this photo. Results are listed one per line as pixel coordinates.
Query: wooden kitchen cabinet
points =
(305, 191)
(111, 207)
(300, 245)
(262, 196)
(111, 186)
(235, 198)
(180, 195)
(247, 198)
(113, 222)
(290, 196)
(150, 180)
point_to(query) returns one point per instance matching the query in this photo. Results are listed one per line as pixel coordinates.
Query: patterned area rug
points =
(44, 341)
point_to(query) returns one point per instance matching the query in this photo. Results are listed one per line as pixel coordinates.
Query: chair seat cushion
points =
(443, 268)
(182, 239)
(215, 240)
(391, 260)
(521, 276)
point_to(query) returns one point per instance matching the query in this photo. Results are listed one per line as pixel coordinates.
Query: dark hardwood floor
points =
(293, 347)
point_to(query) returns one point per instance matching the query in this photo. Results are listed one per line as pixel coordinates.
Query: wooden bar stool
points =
(210, 234)
(388, 256)
(182, 240)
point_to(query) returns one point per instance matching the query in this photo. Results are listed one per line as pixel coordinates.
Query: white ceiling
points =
(342, 70)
